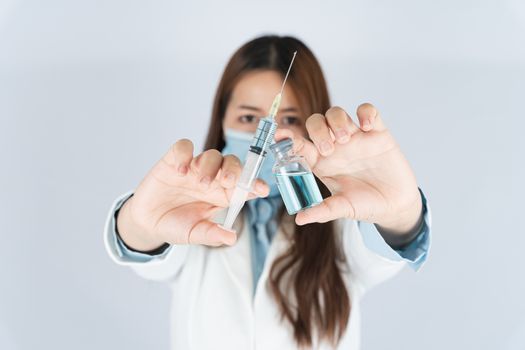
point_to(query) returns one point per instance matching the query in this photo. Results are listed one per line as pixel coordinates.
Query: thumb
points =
(331, 208)
(210, 233)
(191, 224)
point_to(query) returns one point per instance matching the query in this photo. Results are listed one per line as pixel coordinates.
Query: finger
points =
(319, 133)
(230, 171)
(207, 165)
(341, 124)
(281, 134)
(369, 118)
(232, 165)
(301, 146)
(260, 188)
(331, 208)
(179, 156)
(186, 225)
(210, 233)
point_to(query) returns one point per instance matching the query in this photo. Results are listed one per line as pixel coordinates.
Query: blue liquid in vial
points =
(299, 191)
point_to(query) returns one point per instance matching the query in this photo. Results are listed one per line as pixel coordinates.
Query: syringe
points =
(255, 157)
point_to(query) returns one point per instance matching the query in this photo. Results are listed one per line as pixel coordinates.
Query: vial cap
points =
(282, 147)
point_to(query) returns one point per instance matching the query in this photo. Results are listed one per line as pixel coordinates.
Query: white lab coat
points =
(212, 305)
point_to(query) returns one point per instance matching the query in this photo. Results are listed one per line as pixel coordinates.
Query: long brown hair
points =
(322, 302)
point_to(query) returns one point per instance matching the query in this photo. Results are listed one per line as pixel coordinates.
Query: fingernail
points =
(228, 177)
(232, 239)
(230, 243)
(183, 169)
(326, 147)
(206, 180)
(259, 187)
(367, 125)
(341, 135)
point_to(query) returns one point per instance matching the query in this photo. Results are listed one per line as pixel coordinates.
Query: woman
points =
(273, 283)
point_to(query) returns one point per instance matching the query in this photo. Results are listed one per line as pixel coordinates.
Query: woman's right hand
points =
(179, 196)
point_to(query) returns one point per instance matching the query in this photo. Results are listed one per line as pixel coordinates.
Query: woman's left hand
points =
(364, 169)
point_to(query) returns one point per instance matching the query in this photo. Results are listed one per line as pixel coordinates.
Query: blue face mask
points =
(238, 143)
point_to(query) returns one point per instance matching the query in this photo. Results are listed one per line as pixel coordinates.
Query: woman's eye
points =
(247, 118)
(291, 121)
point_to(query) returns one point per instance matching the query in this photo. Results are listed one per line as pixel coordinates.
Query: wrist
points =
(403, 230)
(133, 235)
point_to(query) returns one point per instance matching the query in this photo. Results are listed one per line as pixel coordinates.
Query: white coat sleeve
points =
(163, 267)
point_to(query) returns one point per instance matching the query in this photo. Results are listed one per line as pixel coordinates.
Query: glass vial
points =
(294, 178)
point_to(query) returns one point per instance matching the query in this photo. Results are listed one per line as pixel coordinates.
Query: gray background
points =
(92, 93)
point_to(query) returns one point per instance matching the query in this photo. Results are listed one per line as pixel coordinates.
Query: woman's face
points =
(252, 98)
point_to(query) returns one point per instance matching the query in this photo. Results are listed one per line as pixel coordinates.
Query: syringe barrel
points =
(263, 136)
(254, 159)
(250, 171)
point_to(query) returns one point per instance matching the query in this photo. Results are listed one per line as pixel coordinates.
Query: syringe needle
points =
(288, 72)
(277, 100)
